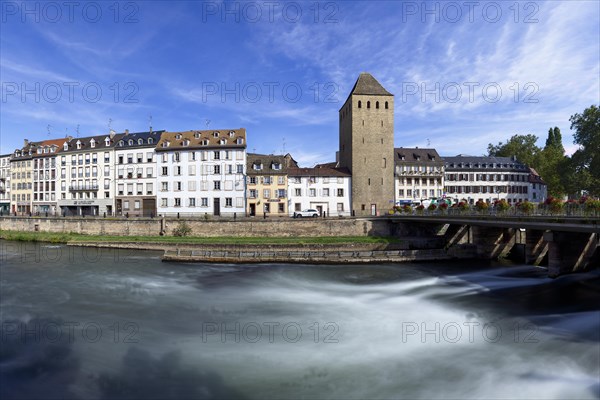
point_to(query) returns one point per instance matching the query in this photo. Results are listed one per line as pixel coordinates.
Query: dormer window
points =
(239, 141)
(204, 142)
(215, 134)
(165, 144)
(65, 146)
(107, 142)
(39, 151)
(140, 141)
(79, 144)
(186, 142)
(178, 136)
(222, 141)
(231, 133)
(150, 140)
(92, 143)
(53, 149)
(130, 142)
(276, 166)
(257, 166)
(197, 135)
(121, 143)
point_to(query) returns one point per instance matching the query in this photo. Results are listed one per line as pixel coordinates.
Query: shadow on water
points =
(46, 366)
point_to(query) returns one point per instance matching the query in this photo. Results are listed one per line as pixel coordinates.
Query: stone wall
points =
(201, 228)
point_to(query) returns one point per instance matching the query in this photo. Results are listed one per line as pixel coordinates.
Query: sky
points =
(464, 74)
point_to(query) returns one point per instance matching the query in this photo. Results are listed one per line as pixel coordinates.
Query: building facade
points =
(267, 184)
(5, 184)
(21, 179)
(538, 189)
(366, 132)
(486, 178)
(45, 177)
(202, 172)
(325, 189)
(419, 175)
(87, 175)
(136, 176)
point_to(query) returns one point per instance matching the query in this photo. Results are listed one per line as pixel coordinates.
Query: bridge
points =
(565, 244)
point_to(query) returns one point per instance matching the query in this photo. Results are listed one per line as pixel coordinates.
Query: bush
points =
(501, 205)
(420, 208)
(443, 206)
(463, 206)
(407, 209)
(432, 207)
(592, 206)
(526, 207)
(182, 229)
(482, 205)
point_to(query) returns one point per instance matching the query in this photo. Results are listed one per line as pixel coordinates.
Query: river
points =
(88, 323)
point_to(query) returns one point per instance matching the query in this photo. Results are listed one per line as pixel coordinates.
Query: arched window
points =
(386, 105)
(377, 105)
(368, 104)
(130, 142)
(150, 140)
(140, 141)
(359, 104)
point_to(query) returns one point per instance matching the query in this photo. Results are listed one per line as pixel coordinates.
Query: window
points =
(252, 180)
(228, 202)
(140, 188)
(267, 180)
(164, 202)
(280, 180)
(359, 104)
(280, 193)
(149, 172)
(178, 186)
(312, 192)
(164, 186)
(217, 185)
(298, 192)
(204, 201)
(280, 208)
(340, 207)
(217, 170)
(192, 202)
(368, 104)
(340, 193)
(266, 193)
(192, 186)
(126, 205)
(216, 155)
(165, 171)
(178, 170)
(136, 205)
(253, 193)
(240, 169)
(177, 202)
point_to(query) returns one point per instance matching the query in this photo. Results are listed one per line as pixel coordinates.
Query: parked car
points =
(309, 212)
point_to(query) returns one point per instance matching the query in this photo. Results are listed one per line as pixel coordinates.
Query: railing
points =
(570, 210)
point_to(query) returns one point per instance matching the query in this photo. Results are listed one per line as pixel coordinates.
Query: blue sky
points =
(283, 69)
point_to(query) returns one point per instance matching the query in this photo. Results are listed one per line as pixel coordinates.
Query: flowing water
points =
(92, 324)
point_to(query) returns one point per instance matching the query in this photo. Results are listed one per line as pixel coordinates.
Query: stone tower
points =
(367, 145)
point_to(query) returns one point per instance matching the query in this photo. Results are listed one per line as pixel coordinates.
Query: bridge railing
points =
(568, 210)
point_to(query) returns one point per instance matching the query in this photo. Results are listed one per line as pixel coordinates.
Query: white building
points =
(323, 188)
(5, 183)
(136, 177)
(538, 190)
(45, 176)
(87, 175)
(202, 172)
(487, 178)
(418, 175)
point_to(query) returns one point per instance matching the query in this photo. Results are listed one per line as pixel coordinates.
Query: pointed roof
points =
(367, 84)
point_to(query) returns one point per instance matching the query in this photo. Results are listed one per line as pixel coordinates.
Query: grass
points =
(74, 237)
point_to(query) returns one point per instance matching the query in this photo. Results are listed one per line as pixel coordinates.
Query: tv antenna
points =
(207, 123)
(110, 124)
(283, 146)
(150, 122)
(77, 130)
(48, 128)
(428, 143)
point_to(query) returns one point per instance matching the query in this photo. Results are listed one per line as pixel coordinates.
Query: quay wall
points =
(202, 228)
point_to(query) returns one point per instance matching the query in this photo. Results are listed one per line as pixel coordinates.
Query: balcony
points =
(83, 188)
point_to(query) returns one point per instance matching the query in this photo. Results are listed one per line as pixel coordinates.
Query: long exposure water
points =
(92, 324)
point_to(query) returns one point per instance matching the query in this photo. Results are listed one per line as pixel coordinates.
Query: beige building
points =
(21, 174)
(5, 183)
(366, 128)
(267, 184)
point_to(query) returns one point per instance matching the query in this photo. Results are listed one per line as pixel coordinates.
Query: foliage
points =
(501, 205)
(432, 207)
(182, 229)
(592, 206)
(443, 206)
(586, 160)
(521, 146)
(481, 205)
(463, 206)
(526, 207)
(407, 208)
(554, 205)
(420, 208)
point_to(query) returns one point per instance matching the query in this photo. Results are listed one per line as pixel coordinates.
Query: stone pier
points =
(570, 252)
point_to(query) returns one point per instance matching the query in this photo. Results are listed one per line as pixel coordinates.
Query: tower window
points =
(386, 105)
(368, 104)
(377, 105)
(359, 104)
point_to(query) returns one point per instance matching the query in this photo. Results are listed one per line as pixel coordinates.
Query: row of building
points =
(210, 172)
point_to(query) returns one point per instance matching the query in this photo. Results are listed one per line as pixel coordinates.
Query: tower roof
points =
(367, 84)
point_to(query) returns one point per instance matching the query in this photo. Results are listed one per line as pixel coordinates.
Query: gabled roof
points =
(367, 84)
(267, 161)
(322, 171)
(208, 139)
(408, 155)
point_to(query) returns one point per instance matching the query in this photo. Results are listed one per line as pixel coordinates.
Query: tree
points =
(555, 139)
(550, 163)
(521, 146)
(587, 159)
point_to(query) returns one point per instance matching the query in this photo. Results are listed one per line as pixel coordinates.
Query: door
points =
(252, 210)
(373, 209)
(320, 210)
(217, 207)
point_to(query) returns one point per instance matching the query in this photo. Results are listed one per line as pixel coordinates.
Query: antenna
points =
(283, 146)
(110, 124)
(207, 122)
(428, 143)
(48, 128)
(77, 130)
(150, 122)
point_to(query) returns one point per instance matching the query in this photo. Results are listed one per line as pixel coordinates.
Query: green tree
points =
(521, 146)
(550, 163)
(586, 160)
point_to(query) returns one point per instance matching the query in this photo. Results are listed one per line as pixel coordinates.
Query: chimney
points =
(25, 142)
(126, 131)
(150, 129)
(112, 134)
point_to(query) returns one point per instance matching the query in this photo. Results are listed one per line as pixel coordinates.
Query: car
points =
(309, 212)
